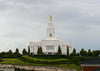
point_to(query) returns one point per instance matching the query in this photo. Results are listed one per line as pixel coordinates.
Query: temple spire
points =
(50, 18)
(50, 29)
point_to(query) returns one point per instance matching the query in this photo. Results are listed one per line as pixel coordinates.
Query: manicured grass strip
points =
(39, 61)
(15, 61)
(33, 58)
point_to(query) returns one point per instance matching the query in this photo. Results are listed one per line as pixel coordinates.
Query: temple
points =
(51, 43)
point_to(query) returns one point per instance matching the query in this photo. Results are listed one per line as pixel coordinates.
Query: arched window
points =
(96, 70)
(50, 34)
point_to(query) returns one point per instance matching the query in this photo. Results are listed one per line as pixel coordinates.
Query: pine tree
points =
(89, 52)
(28, 50)
(83, 52)
(67, 50)
(17, 53)
(74, 52)
(10, 52)
(59, 50)
(24, 52)
(39, 51)
(93, 53)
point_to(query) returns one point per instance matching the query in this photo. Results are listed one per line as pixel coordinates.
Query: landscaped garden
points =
(71, 61)
(34, 61)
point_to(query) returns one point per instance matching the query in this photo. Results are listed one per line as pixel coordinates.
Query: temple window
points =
(50, 34)
(50, 47)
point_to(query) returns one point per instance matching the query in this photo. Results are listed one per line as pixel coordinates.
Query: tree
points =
(1, 59)
(78, 54)
(17, 52)
(39, 50)
(10, 52)
(74, 52)
(67, 50)
(89, 53)
(28, 50)
(59, 50)
(24, 52)
(83, 52)
(96, 53)
(93, 53)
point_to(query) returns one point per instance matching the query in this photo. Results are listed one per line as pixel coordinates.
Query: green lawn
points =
(33, 58)
(16, 61)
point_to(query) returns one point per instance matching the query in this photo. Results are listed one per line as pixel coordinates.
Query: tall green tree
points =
(28, 50)
(93, 53)
(89, 53)
(17, 52)
(39, 51)
(67, 50)
(74, 52)
(59, 50)
(24, 52)
(10, 52)
(96, 53)
(83, 52)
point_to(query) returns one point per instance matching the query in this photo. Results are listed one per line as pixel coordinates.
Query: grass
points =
(16, 61)
(33, 58)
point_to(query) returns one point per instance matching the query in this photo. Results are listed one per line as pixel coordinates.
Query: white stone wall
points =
(39, 68)
(45, 43)
(63, 45)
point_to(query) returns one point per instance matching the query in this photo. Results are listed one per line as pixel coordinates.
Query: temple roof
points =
(51, 38)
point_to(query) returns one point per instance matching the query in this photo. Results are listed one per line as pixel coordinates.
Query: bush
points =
(1, 59)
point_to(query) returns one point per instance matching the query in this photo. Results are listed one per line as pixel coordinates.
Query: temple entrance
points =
(49, 53)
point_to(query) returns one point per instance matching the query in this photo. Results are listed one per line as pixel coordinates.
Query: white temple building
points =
(50, 43)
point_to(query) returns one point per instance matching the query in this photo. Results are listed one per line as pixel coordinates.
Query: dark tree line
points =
(15, 54)
(10, 54)
(85, 53)
(82, 52)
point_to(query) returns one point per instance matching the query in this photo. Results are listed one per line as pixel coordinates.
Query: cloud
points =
(22, 21)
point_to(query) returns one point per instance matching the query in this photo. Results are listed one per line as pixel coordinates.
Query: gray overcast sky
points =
(22, 21)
